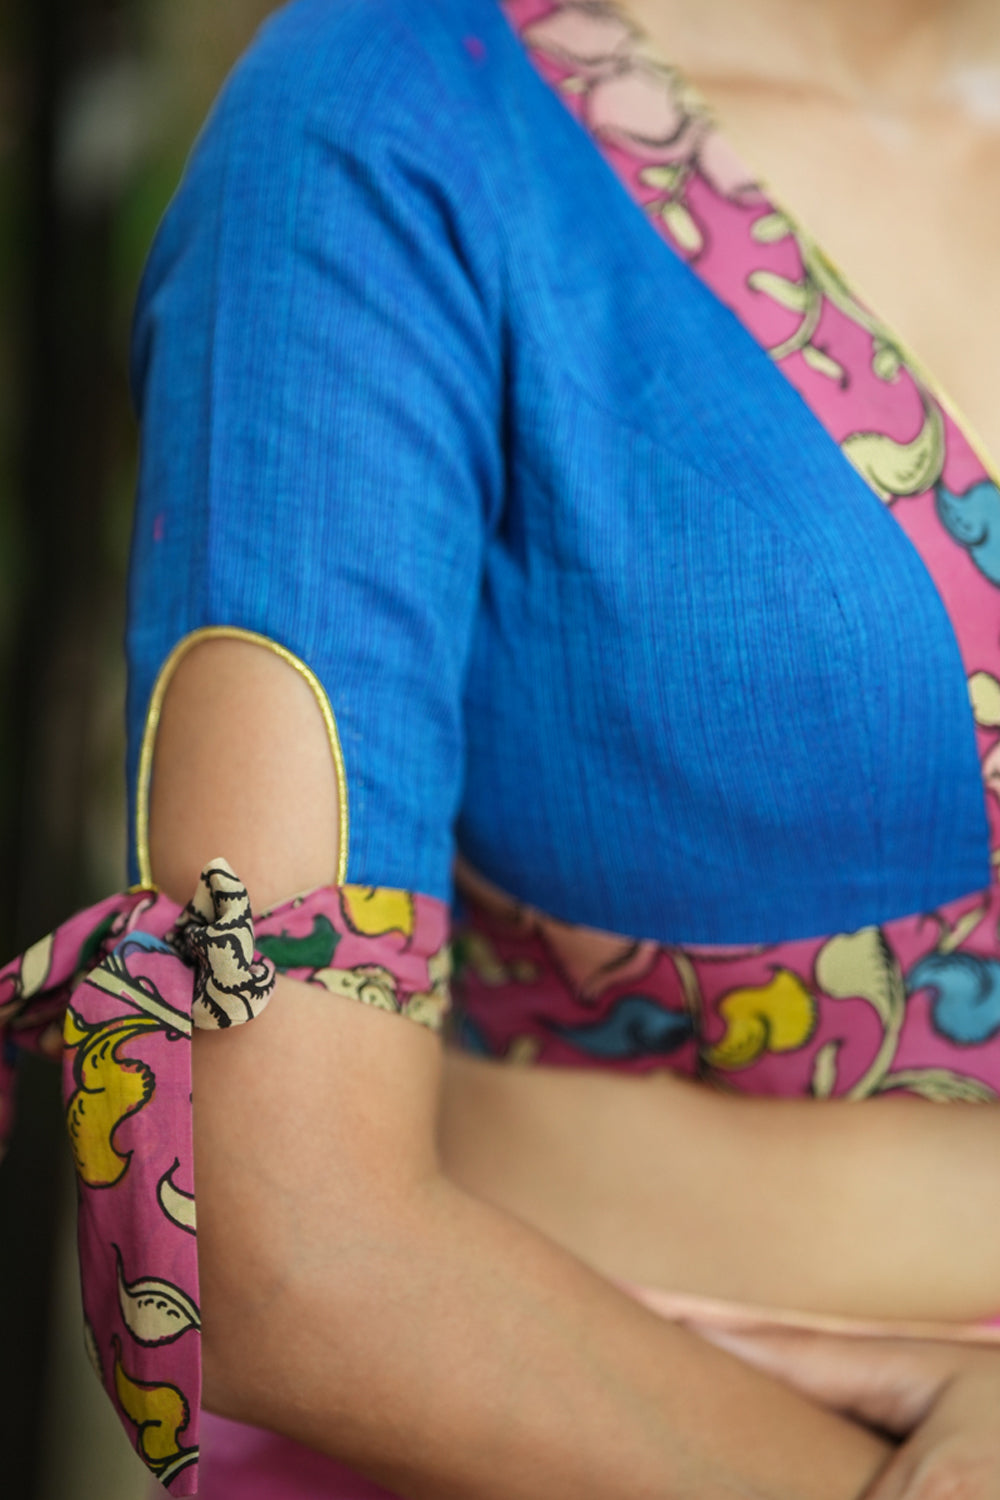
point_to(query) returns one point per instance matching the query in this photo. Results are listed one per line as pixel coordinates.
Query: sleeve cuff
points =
(131, 977)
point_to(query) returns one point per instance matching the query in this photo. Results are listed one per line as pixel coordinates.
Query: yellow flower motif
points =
(984, 692)
(110, 1087)
(160, 1412)
(775, 1017)
(372, 910)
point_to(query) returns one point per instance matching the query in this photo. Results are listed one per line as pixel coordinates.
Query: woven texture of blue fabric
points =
(425, 399)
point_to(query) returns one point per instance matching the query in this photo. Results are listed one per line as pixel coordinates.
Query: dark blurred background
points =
(99, 103)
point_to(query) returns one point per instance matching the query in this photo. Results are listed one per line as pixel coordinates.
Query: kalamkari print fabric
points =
(130, 978)
(911, 1004)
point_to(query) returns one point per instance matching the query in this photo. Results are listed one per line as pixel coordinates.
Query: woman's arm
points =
(352, 1297)
(942, 1398)
(827, 1199)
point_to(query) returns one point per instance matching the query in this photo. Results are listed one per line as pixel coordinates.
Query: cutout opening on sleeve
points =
(152, 722)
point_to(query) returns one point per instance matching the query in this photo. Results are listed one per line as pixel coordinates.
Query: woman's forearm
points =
(356, 1300)
(352, 1297)
(473, 1360)
(609, 1164)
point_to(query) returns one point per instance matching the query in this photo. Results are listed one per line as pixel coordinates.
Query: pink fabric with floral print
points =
(132, 976)
(911, 1005)
(905, 1006)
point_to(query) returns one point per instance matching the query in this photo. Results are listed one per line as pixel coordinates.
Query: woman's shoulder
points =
(340, 112)
(380, 67)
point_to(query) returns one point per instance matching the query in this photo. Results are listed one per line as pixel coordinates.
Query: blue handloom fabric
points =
(594, 596)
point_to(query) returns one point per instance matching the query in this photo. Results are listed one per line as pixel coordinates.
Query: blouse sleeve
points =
(316, 368)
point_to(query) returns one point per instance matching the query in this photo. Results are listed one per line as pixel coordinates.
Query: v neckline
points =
(698, 112)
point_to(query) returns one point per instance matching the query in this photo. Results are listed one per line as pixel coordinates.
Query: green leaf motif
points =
(824, 1079)
(895, 468)
(94, 941)
(770, 228)
(939, 1085)
(683, 227)
(822, 363)
(662, 177)
(795, 295)
(886, 363)
(859, 965)
(313, 951)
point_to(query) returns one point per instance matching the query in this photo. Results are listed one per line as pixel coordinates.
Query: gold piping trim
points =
(152, 724)
(651, 49)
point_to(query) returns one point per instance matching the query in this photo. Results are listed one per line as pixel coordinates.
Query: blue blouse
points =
(594, 596)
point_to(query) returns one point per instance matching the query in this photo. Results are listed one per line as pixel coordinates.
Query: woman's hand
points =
(943, 1399)
(954, 1454)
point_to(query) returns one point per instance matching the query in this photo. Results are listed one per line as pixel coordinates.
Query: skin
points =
(353, 1296)
(941, 1399)
(839, 102)
(891, 111)
(827, 1201)
(361, 1234)
(835, 102)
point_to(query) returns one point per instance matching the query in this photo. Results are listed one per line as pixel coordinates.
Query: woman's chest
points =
(747, 572)
(744, 589)
(731, 664)
(907, 207)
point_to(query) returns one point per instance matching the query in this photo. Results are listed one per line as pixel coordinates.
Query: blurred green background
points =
(99, 103)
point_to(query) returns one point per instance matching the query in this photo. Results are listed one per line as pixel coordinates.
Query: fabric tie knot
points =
(215, 935)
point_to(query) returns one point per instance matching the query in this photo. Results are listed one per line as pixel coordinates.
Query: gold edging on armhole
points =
(152, 724)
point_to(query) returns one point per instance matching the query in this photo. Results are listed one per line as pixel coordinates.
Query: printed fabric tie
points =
(129, 979)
